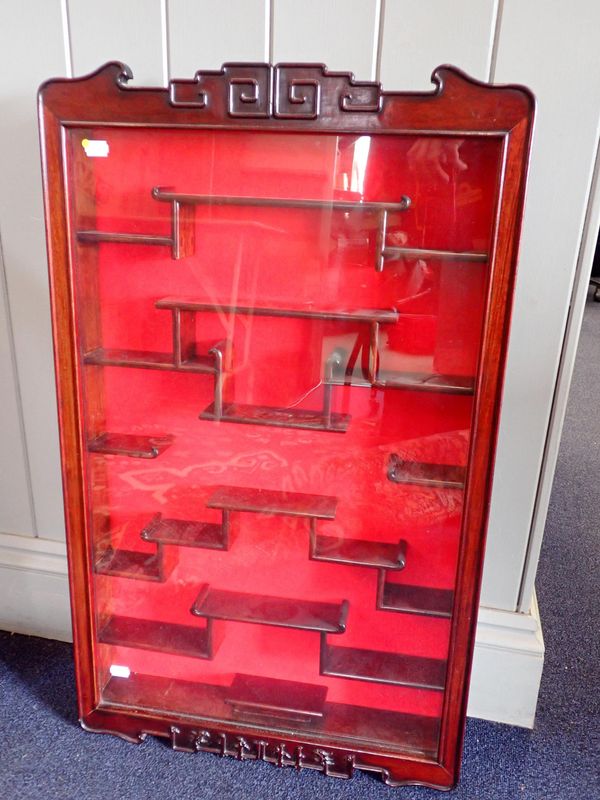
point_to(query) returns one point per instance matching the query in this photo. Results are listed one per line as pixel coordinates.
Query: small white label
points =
(119, 671)
(95, 148)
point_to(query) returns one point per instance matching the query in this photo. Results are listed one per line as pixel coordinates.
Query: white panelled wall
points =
(546, 44)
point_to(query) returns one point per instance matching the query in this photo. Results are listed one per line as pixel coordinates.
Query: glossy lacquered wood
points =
(259, 97)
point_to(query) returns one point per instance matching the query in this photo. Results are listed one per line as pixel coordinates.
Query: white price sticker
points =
(118, 671)
(95, 148)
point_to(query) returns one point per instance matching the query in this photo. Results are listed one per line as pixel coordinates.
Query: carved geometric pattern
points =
(283, 91)
(281, 754)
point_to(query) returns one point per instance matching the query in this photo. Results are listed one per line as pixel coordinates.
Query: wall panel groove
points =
(562, 163)
(34, 29)
(339, 33)
(112, 30)
(234, 30)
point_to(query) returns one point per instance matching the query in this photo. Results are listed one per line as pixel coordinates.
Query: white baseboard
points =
(507, 666)
(509, 649)
(34, 588)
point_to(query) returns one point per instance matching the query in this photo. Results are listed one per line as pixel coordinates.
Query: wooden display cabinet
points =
(280, 302)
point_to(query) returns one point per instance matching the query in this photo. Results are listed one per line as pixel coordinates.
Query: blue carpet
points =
(45, 755)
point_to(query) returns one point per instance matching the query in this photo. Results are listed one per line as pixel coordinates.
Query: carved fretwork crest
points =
(283, 91)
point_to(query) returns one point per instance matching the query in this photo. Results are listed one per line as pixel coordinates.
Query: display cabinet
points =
(280, 304)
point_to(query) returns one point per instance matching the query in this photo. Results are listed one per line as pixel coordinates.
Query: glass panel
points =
(278, 338)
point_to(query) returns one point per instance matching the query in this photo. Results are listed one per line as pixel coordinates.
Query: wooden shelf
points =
(145, 359)
(426, 382)
(413, 381)
(185, 533)
(264, 610)
(409, 733)
(357, 315)
(183, 205)
(357, 552)
(124, 444)
(94, 237)
(393, 253)
(263, 699)
(376, 666)
(168, 196)
(278, 417)
(131, 564)
(447, 476)
(266, 501)
(164, 637)
(422, 600)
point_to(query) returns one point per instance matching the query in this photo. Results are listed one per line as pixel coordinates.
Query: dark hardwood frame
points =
(301, 98)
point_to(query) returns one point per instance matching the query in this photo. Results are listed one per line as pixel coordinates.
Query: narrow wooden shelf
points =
(131, 564)
(414, 381)
(409, 733)
(357, 315)
(163, 637)
(165, 195)
(422, 600)
(125, 444)
(185, 533)
(145, 359)
(266, 501)
(357, 552)
(439, 476)
(264, 610)
(279, 417)
(378, 667)
(393, 253)
(262, 699)
(94, 237)
(425, 382)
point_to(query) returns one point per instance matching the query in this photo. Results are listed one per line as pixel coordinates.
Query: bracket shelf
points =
(436, 476)
(413, 381)
(260, 609)
(145, 359)
(125, 444)
(181, 200)
(187, 533)
(272, 416)
(93, 237)
(333, 549)
(256, 698)
(182, 238)
(131, 564)
(275, 417)
(166, 195)
(357, 552)
(163, 637)
(375, 666)
(423, 600)
(382, 315)
(266, 501)
(394, 253)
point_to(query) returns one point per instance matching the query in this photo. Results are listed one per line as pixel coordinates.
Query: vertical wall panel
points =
(205, 33)
(419, 36)
(114, 30)
(552, 47)
(340, 33)
(32, 49)
(15, 506)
